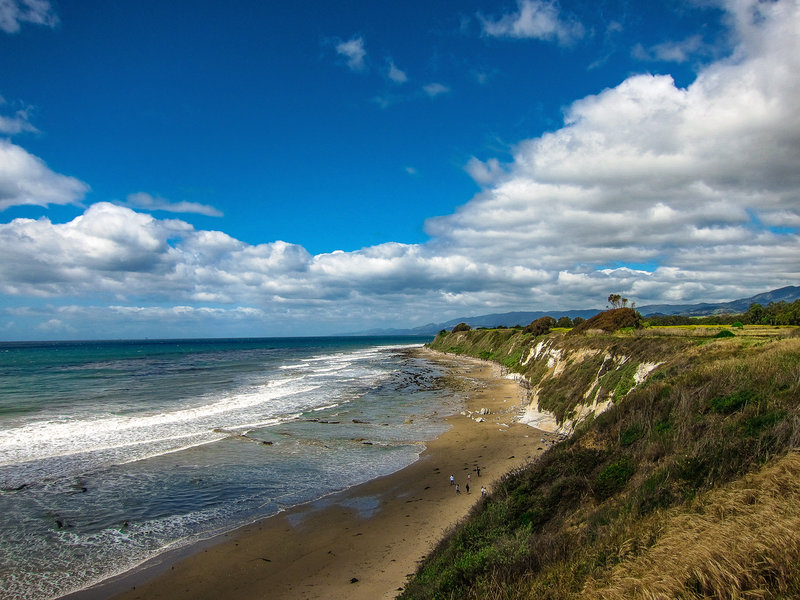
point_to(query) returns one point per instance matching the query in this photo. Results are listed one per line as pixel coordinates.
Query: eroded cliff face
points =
(568, 378)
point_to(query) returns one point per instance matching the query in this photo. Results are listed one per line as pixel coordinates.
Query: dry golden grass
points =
(703, 331)
(739, 541)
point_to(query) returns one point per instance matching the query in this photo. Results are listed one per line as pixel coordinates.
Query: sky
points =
(247, 168)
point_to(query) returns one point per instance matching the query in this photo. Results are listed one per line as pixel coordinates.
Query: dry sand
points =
(365, 541)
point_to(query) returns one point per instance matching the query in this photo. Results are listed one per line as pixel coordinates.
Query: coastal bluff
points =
(678, 473)
(567, 378)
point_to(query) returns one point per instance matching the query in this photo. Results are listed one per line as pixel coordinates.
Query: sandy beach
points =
(365, 541)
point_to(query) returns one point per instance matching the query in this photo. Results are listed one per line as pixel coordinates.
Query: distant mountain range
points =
(787, 294)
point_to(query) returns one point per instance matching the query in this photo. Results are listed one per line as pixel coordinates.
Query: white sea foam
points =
(167, 430)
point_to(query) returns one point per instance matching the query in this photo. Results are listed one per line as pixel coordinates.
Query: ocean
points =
(112, 453)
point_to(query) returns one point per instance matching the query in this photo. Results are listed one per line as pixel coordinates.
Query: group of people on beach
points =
(469, 480)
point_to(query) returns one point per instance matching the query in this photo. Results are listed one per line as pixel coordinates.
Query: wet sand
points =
(363, 543)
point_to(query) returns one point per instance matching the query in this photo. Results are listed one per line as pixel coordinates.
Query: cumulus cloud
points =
(107, 248)
(536, 19)
(353, 50)
(145, 201)
(26, 179)
(646, 172)
(13, 13)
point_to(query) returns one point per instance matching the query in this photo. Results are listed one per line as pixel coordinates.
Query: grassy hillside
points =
(687, 486)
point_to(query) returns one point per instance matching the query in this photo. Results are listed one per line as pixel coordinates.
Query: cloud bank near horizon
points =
(661, 193)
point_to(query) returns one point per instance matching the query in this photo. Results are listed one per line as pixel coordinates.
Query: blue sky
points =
(258, 168)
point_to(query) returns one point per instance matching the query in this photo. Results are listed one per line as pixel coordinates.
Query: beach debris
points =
(354, 580)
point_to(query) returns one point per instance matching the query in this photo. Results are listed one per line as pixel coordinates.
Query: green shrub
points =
(732, 402)
(630, 435)
(540, 326)
(725, 333)
(754, 425)
(513, 359)
(662, 427)
(654, 493)
(614, 477)
(611, 320)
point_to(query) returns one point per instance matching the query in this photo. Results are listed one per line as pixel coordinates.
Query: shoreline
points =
(361, 542)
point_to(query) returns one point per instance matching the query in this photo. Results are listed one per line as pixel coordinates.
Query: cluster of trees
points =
(617, 301)
(550, 322)
(543, 325)
(775, 313)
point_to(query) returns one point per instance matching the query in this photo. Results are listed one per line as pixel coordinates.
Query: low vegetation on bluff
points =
(680, 477)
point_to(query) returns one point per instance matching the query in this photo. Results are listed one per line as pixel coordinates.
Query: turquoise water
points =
(113, 452)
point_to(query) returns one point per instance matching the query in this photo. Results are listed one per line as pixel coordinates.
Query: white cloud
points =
(672, 51)
(435, 89)
(99, 250)
(147, 202)
(26, 179)
(485, 173)
(535, 19)
(13, 13)
(395, 74)
(18, 123)
(353, 50)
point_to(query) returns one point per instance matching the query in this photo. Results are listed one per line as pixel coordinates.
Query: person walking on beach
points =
(468, 485)
(478, 469)
(483, 492)
(458, 491)
(452, 480)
